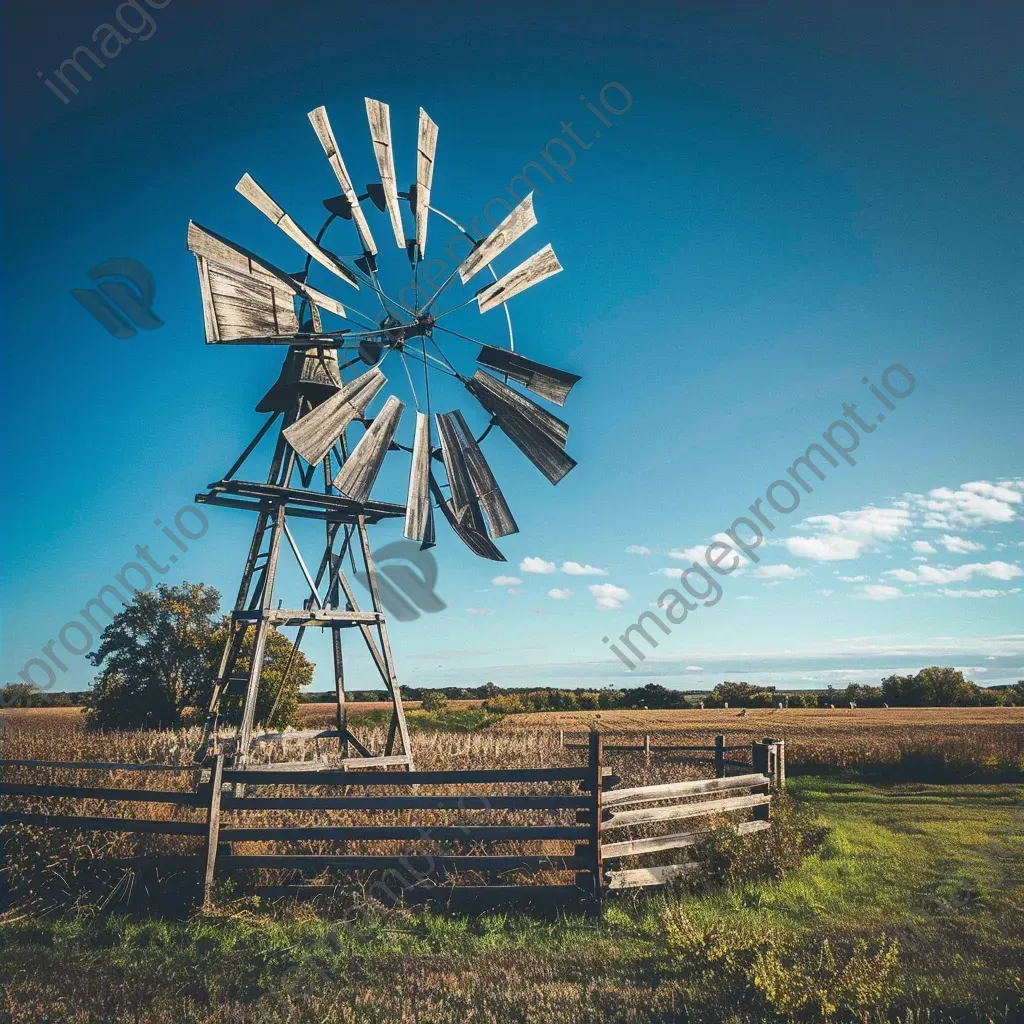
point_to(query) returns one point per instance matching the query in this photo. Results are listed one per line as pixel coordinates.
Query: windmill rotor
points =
(247, 300)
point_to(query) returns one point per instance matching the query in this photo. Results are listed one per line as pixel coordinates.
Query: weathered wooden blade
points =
(417, 506)
(469, 532)
(361, 467)
(426, 148)
(322, 126)
(216, 248)
(252, 191)
(459, 484)
(379, 116)
(540, 265)
(483, 487)
(546, 381)
(313, 435)
(514, 226)
(534, 431)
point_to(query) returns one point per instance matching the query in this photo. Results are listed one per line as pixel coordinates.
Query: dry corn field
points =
(69, 860)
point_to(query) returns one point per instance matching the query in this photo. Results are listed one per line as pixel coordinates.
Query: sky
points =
(784, 201)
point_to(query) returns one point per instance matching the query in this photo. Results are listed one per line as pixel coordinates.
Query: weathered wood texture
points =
(417, 506)
(698, 787)
(357, 475)
(540, 436)
(313, 435)
(379, 117)
(514, 226)
(546, 381)
(77, 823)
(540, 266)
(146, 796)
(466, 527)
(470, 476)
(268, 777)
(634, 877)
(322, 126)
(251, 189)
(658, 844)
(680, 811)
(426, 148)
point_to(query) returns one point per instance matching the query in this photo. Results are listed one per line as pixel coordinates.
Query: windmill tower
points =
(330, 449)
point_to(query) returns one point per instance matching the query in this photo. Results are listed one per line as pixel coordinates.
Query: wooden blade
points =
(252, 191)
(514, 226)
(534, 431)
(379, 116)
(470, 533)
(313, 435)
(484, 488)
(361, 467)
(460, 487)
(417, 506)
(244, 295)
(546, 381)
(322, 126)
(426, 148)
(540, 265)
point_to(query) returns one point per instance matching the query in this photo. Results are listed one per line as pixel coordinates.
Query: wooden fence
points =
(422, 875)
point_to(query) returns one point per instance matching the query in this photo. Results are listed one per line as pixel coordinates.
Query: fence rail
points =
(599, 809)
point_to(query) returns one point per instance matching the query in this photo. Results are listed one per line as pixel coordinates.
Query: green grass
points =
(938, 869)
(452, 719)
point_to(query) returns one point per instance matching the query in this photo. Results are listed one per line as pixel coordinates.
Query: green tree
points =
(931, 687)
(434, 701)
(158, 659)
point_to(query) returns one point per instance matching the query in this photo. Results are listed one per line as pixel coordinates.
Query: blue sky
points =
(796, 198)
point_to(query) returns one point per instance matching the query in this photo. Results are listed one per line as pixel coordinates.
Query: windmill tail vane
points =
(331, 449)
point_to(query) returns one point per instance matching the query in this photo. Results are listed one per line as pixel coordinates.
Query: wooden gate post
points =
(720, 757)
(647, 749)
(759, 756)
(213, 825)
(596, 784)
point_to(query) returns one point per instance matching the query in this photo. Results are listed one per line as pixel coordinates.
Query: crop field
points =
(868, 900)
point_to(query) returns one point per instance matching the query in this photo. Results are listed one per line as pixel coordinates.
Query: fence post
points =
(647, 748)
(780, 765)
(720, 757)
(759, 756)
(561, 738)
(596, 782)
(213, 825)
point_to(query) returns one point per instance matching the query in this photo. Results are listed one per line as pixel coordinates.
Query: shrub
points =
(505, 704)
(434, 700)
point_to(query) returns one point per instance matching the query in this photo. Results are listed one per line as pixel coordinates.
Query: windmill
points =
(331, 449)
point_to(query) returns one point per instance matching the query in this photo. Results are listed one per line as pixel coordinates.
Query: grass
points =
(934, 872)
(909, 910)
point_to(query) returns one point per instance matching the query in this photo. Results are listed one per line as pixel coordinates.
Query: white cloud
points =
(939, 574)
(973, 504)
(693, 668)
(515, 590)
(849, 534)
(637, 549)
(851, 579)
(778, 572)
(506, 581)
(950, 592)
(960, 545)
(608, 596)
(537, 565)
(825, 593)
(575, 569)
(922, 547)
(693, 554)
(878, 592)
(671, 573)
(477, 611)
(560, 594)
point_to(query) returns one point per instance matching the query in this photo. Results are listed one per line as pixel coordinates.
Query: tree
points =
(931, 687)
(158, 660)
(434, 701)
(22, 695)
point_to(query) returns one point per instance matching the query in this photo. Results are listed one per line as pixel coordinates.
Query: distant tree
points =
(651, 695)
(434, 701)
(22, 695)
(158, 659)
(931, 687)
(740, 695)
(588, 700)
